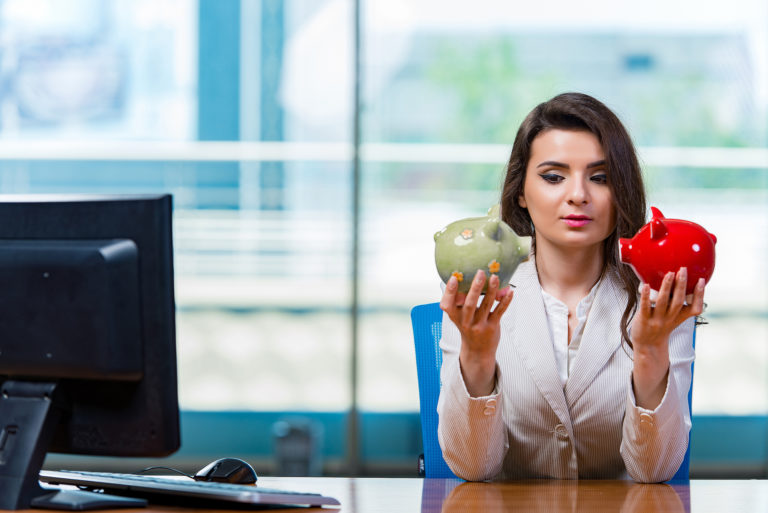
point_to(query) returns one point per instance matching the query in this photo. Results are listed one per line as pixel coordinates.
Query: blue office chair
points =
(427, 322)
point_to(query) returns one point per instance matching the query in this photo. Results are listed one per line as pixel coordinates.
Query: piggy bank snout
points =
(625, 247)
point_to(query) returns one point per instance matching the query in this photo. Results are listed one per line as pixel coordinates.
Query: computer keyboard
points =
(182, 490)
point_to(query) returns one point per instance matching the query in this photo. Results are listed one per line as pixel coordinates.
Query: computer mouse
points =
(227, 470)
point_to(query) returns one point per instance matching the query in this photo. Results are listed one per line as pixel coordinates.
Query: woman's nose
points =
(578, 193)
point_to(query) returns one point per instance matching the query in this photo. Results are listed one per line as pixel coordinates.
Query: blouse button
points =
(646, 418)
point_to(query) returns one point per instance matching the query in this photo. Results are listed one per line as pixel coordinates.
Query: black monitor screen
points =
(87, 325)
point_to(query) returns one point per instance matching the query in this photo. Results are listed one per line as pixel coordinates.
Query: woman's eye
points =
(552, 178)
(600, 178)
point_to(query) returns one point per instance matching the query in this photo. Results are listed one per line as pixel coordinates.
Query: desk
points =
(405, 495)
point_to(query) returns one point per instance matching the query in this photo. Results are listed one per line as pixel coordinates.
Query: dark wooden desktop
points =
(403, 495)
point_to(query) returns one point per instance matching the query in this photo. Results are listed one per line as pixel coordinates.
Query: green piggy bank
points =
(486, 243)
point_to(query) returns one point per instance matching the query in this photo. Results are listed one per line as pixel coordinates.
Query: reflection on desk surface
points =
(572, 496)
(406, 495)
(365, 495)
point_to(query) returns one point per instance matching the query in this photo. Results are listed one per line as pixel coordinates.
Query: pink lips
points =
(577, 221)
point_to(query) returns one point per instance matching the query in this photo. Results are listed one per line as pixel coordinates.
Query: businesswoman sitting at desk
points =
(575, 373)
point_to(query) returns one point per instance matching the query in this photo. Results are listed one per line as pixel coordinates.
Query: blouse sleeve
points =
(654, 442)
(470, 430)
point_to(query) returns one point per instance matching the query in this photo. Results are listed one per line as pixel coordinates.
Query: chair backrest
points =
(684, 472)
(427, 322)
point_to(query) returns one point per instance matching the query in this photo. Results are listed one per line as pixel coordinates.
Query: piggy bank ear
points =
(656, 213)
(658, 229)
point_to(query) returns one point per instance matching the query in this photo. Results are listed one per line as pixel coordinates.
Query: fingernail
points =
(683, 272)
(700, 284)
(452, 283)
(670, 276)
(494, 281)
(479, 275)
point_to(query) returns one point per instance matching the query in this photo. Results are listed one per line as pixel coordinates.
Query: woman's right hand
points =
(479, 327)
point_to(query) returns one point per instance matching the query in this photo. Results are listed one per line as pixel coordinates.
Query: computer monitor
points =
(87, 333)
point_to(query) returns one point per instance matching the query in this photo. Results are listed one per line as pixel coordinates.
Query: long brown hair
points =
(577, 111)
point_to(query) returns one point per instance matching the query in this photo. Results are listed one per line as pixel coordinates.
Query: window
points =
(447, 91)
(245, 110)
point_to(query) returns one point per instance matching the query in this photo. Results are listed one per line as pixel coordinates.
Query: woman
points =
(580, 375)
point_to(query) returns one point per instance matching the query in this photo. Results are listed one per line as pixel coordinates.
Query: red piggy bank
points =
(665, 245)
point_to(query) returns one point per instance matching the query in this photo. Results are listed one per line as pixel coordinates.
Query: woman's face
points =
(566, 190)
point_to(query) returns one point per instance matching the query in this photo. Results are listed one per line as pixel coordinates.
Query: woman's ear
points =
(521, 201)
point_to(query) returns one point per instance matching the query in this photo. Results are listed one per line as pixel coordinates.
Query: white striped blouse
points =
(534, 427)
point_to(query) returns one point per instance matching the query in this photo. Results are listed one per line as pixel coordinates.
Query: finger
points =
(503, 292)
(696, 306)
(501, 306)
(489, 299)
(664, 291)
(678, 294)
(449, 294)
(645, 300)
(470, 303)
(448, 301)
(697, 303)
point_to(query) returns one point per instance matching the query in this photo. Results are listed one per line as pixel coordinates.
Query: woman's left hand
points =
(650, 332)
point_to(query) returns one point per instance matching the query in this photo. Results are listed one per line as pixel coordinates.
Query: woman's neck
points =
(568, 273)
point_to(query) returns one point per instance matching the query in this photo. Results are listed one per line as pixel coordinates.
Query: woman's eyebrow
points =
(553, 163)
(599, 163)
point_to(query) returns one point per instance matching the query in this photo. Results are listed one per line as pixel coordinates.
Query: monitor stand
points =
(79, 500)
(29, 413)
